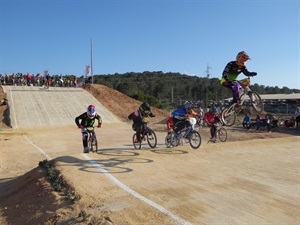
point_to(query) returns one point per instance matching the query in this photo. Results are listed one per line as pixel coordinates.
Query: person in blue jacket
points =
(180, 116)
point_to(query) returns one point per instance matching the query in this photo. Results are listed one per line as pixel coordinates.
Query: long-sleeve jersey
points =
(86, 121)
(232, 70)
(170, 123)
(137, 117)
(180, 113)
(209, 118)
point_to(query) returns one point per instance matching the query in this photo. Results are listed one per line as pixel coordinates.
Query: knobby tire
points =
(228, 116)
(195, 139)
(222, 133)
(151, 138)
(136, 145)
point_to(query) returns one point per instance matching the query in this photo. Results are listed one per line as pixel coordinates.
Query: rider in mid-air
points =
(231, 72)
(87, 120)
(139, 119)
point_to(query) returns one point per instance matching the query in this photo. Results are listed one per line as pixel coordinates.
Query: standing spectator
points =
(13, 79)
(247, 122)
(75, 81)
(28, 79)
(48, 79)
(297, 115)
(33, 79)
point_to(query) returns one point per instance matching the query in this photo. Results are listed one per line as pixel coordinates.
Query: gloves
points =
(80, 126)
(253, 74)
(99, 126)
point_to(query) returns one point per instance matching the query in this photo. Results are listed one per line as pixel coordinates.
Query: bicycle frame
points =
(146, 135)
(189, 134)
(229, 114)
(244, 85)
(92, 139)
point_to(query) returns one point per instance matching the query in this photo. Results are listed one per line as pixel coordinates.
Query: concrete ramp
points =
(56, 106)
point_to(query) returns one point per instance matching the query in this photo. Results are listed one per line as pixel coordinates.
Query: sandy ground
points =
(253, 178)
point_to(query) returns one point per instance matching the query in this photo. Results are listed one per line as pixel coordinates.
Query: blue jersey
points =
(179, 113)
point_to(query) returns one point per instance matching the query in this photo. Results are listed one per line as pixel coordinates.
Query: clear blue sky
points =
(152, 35)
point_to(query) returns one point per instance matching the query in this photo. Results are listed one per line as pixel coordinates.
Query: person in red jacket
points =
(170, 125)
(211, 118)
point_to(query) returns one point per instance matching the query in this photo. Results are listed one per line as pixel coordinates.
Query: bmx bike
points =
(188, 134)
(228, 115)
(221, 133)
(92, 140)
(147, 135)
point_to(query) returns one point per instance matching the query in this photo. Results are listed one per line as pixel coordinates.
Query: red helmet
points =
(91, 111)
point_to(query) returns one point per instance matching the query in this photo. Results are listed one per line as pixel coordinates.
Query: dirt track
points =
(242, 181)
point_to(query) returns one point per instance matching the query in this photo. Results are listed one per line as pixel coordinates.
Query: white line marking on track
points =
(14, 111)
(123, 186)
(135, 194)
(38, 148)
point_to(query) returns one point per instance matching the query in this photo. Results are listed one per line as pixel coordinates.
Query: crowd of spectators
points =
(28, 79)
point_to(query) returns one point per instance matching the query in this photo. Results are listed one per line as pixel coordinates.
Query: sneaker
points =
(213, 140)
(86, 150)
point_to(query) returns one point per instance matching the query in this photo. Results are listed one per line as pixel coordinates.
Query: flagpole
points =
(92, 60)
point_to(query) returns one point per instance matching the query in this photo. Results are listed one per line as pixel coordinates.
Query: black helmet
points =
(213, 109)
(145, 108)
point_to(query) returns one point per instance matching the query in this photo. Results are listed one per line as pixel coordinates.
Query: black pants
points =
(213, 130)
(139, 129)
(180, 124)
(85, 135)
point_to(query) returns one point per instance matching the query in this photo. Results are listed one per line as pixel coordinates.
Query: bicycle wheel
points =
(151, 138)
(94, 146)
(228, 116)
(175, 140)
(256, 101)
(89, 143)
(195, 139)
(168, 141)
(136, 144)
(222, 133)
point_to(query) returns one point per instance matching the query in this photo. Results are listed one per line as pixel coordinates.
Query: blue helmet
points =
(91, 111)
